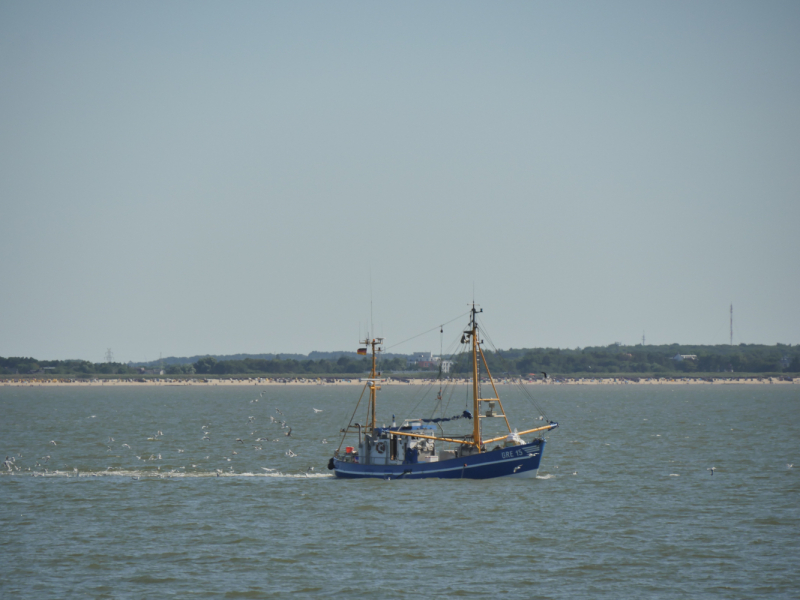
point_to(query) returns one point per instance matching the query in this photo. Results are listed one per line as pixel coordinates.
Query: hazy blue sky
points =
(221, 177)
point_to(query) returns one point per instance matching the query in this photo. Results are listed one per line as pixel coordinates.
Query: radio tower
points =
(109, 355)
(731, 324)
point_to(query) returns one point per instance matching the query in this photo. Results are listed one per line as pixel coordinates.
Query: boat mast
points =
(476, 427)
(373, 382)
(372, 394)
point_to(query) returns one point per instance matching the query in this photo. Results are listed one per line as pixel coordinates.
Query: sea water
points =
(118, 495)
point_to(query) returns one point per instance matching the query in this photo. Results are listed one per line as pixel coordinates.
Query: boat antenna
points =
(371, 322)
(731, 324)
(441, 365)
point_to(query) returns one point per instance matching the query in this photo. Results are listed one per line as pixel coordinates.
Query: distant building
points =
(680, 357)
(152, 371)
(426, 360)
(419, 357)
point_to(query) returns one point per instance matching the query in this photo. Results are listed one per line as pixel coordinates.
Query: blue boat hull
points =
(516, 461)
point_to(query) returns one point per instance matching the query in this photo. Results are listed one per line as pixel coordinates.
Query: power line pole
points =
(109, 356)
(731, 324)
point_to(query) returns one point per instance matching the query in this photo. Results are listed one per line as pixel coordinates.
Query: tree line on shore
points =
(656, 360)
(601, 361)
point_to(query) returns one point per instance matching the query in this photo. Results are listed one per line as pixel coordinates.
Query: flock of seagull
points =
(275, 426)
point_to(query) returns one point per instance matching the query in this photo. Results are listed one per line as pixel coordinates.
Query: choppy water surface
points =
(624, 505)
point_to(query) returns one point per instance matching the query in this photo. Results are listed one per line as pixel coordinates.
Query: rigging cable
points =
(346, 431)
(450, 387)
(426, 390)
(517, 380)
(424, 332)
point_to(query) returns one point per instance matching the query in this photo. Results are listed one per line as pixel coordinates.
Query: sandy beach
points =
(259, 381)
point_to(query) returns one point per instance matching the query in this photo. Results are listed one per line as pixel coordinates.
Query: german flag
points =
(362, 350)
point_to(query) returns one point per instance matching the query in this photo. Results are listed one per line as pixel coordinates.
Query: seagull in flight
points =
(712, 469)
(53, 442)
(317, 410)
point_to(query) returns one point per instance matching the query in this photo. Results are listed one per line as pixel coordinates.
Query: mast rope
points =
(426, 390)
(517, 381)
(449, 385)
(347, 429)
(428, 331)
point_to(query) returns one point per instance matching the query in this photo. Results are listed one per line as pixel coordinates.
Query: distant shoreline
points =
(260, 381)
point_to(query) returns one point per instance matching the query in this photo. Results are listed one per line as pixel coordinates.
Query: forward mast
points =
(373, 381)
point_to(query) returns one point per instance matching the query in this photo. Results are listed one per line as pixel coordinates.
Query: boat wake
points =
(133, 474)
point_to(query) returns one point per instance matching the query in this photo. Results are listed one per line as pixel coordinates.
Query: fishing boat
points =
(419, 448)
